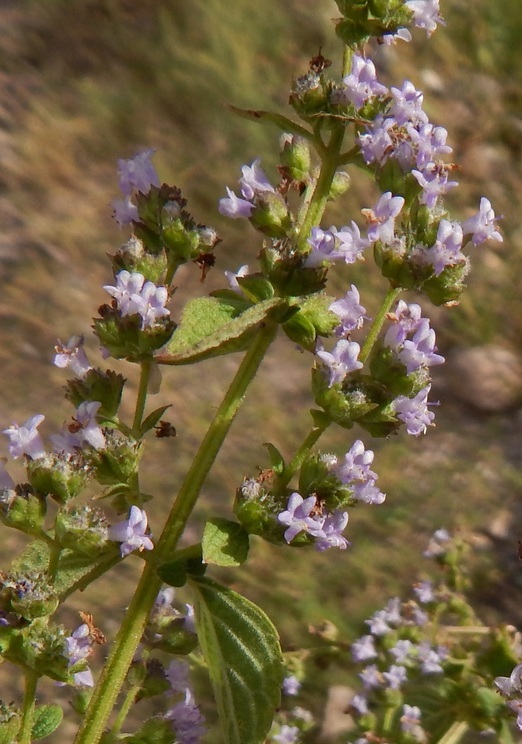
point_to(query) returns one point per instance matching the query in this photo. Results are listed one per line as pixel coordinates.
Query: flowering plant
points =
(378, 378)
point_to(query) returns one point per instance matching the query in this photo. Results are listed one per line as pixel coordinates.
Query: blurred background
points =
(85, 82)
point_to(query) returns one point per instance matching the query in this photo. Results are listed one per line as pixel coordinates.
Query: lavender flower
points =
(434, 183)
(359, 703)
(178, 675)
(402, 651)
(407, 104)
(361, 84)
(187, 721)
(291, 685)
(25, 440)
(135, 296)
(297, 517)
(252, 183)
(233, 277)
(349, 311)
(286, 735)
(341, 360)
(482, 226)
(395, 676)
(381, 218)
(414, 412)
(446, 251)
(124, 211)
(426, 14)
(234, 207)
(371, 677)
(437, 545)
(72, 355)
(410, 722)
(424, 592)
(355, 472)
(364, 648)
(79, 648)
(84, 430)
(420, 351)
(131, 532)
(138, 173)
(333, 525)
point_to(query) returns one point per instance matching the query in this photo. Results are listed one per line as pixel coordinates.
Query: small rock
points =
(488, 377)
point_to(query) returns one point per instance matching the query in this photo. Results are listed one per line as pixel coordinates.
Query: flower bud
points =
(176, 639)
(295, 157)
(28, 596)
(104, 387)
(133, 257)
(118, 462)
(124, 337)
(22, 509)
(61, 475)
(82, 529)
(284, 267)
(449, 285)
(270, 214)
(340, 185)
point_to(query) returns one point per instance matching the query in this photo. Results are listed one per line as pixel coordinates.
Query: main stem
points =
(29, 705)
(455, 733)
(133, 626)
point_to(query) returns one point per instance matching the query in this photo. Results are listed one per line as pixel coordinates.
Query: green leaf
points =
(173, 573)
(242, 651)
(210, 327)
(46, 720)
(224, 543)
(277, 462)
(152, 419)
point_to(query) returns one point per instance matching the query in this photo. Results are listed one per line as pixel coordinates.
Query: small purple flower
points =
(297, 517)
(364, 648)
(482, 226)
(410, 722)
(135, 296)
(25, 440)
(510, 685)
(178, 675)
(378, 623)
(79, 648)
(341, 360)
(371, 677)
(402, 651)
(395, 676)
(355, 472)
(361, 84)
(187, 720)
(429, 658)
(233, 277)
(325, 247)
(359, 703)
(291, 685)
(446, 251)
(424, 591)
(287, 735)
(428, 141)
(414, 412)
(351, 244)
(6, 482)
(426, 14)
(349, 311)
(376, 142)
(381, 218)
(131, 533)
(138, 173)
(407, 104)
(124, 211)
(437, 544)
(420, 351)
(83, 430)
(434, 183)
(234, 207)
(332, 527)
(72, 355)
(254, 180)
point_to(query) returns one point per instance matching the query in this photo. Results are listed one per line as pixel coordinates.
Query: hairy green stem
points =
(378, 323)
(28, 708)
(301, 453)
(145, 366)
(455, 733)
(124, 710)
(329, 165)
(133, 626)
